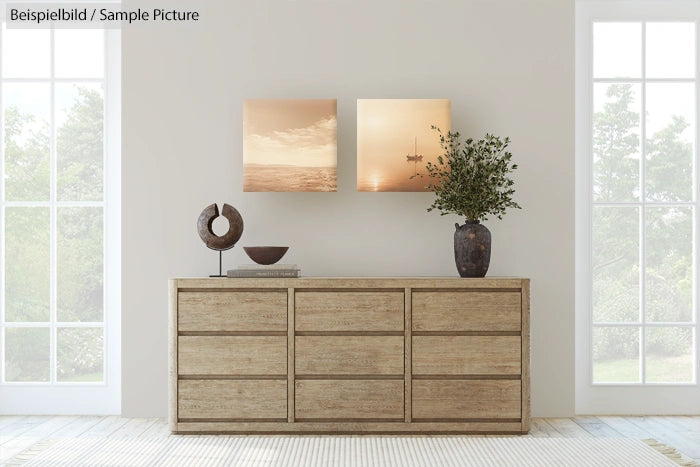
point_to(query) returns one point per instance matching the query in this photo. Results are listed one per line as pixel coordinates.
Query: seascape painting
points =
(395, 141)
(290, 145)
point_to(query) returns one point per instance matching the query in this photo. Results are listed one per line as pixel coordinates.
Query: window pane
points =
(617, 50)
(616, 142)
(79, 144)
(669, 264)
(27, 354)
(669, 355)
(670, 140)
(670, 50)
(79, 354)
(79, 264)
(18, 45)
(26, 120)
(26, 264)
(615, 355)
(79, 53)
(615, 264)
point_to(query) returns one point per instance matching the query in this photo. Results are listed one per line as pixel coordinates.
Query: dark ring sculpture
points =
(229, 239)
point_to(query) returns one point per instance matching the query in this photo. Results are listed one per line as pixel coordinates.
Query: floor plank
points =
(37, 433)
(623, 426)
(79, 426)
(6, 420)
(105, 427)
(133, 428)
(157, 430)
(21, 425)
(567, 428)
(597, 428)
(539, 428)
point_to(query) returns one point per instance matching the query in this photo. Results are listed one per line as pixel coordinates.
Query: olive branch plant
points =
(471, 178)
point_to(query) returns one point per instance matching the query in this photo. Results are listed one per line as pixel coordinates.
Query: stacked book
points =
(262, 270)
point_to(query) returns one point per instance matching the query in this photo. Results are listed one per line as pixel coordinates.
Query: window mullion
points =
(642, 213)
(2, 221)
(52, 216)
(696, 201)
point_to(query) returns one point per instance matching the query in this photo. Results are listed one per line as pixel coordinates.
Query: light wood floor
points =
(17, 433)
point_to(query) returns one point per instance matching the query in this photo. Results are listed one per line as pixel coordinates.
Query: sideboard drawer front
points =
(349, 399)
(232, 355)
(466, 311)
(232, 311)
(466, 355)
(227, 399)
(349, 311)
(349, 355)
(466, 399)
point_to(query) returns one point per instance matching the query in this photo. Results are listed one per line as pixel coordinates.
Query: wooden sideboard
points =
(350, 355)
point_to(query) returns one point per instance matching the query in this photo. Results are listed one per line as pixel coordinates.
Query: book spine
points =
(257, 273)
(267, 267)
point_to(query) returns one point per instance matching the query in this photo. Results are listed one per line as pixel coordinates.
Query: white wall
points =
(507, 66)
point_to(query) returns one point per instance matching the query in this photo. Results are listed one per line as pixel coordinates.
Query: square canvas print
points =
(395, 142)
(290, 145)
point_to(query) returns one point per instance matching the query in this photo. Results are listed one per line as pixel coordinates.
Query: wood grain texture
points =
(525, 353)
(232, 311)
(456, 399)
(466, 311)
(346, 355)
(349, 399)
(232, 399)
(291, 316)
(172, 354)
(349, 311)
(341, 427)
(475, 355)
(232, 355)
(352, 282)
(408, 388)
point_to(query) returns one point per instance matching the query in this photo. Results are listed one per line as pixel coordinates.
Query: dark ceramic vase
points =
(472, 249)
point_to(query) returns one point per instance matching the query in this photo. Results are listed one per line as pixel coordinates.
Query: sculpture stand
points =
(221, 252)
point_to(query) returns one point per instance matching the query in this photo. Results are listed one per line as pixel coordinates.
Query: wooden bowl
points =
(265, 254)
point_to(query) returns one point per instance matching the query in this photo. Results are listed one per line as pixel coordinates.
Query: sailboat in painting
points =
(415, 157)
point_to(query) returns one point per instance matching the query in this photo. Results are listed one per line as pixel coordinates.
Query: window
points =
(637, 202)
(59, 193)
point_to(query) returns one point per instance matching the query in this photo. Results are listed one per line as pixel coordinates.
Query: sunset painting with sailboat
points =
(395, 141)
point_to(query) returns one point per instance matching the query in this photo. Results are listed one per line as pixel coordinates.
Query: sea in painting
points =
(259, 177)
(396, 174)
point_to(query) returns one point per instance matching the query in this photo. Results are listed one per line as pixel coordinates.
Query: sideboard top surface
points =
(353, 282)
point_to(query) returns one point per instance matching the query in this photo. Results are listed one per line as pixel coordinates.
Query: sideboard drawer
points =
(226, 399)
(466, 355)
(466, 311)
(348, 355)
(232, 355)
(349, 399)
(349, 311)
(466, 399)
(232, 311)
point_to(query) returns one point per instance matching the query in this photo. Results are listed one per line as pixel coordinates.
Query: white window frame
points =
(53, 397)
(622, 398)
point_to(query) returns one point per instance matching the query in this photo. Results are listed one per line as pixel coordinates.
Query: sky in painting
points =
(298, 132)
